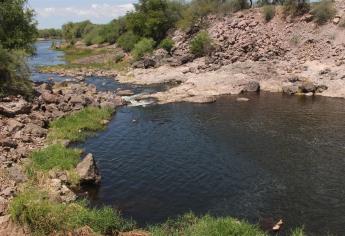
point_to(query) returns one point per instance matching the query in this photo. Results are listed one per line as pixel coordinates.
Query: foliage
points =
(201, 44)
(323, 11)
(14, 74)
(298, 232)
(44, 217)
(144, 46)
(153, 18)
(128, 40)
(50, 33)
(17, 34)
(190, 225)
(268, 12)
(295, 7)
(167, 44)
(77, 126)
(17, 25)
(55, 157)
(238, 5)
(74, 31)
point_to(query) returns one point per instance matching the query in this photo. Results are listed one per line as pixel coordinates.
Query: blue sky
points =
(54, 13)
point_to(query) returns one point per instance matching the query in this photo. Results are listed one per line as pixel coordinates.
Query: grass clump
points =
(201, 44)
(167, 44)
(44, 217)
(268, 12)
(77, 126)
(190, 225)
(323, 11)
(238, 5)
(143, 47)
(54, 157)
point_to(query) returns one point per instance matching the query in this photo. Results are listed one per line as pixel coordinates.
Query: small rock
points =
(125, 93)
(252, 86)
(242, 99)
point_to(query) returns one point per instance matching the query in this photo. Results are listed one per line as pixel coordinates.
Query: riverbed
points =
(273, 157)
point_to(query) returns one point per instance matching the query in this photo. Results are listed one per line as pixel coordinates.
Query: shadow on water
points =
(272, 157)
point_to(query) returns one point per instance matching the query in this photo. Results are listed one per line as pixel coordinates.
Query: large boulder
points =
(308, 87)
(88, 171)
(14, 107)
(48, 98)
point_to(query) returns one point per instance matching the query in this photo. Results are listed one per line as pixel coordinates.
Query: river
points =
(275, 156)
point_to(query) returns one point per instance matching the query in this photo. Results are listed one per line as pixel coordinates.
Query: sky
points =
(55, 13)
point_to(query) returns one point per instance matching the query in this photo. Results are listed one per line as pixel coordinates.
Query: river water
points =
(275, 156)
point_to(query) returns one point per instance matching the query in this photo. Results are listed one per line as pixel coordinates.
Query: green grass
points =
(190, 225)
(79, 125)
(72, 54)
(56, 157)
(33, 208)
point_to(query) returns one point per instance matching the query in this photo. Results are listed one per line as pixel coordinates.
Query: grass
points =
(72, 54)
(44, 217)
(79, 125)
(323, 11)
(190, 225)
(55, 156)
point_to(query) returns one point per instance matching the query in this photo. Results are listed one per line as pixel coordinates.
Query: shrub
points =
(144, 46)
(44, 217)
(237, 5)
(296, 7)
(201, 44)
(167, 44)
(268, 12)
(14, 74)
(128, 40)
(323, 11)
(77, 126)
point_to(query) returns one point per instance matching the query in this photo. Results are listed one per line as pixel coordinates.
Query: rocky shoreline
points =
(24, 127)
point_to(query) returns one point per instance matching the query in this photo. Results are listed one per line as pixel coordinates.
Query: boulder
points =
(13, 125)
(35, 130)
(252, 86)
(13, 108)
(88, 171)
(290, 89)
(49, 98)
(307, 87)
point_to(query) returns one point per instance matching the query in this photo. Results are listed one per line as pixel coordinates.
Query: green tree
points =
(17, 34)
(17, 26)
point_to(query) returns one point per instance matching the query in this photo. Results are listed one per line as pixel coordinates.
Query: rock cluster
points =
(23, 127)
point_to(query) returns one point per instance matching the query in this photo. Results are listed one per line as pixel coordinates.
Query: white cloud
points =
(94, 11)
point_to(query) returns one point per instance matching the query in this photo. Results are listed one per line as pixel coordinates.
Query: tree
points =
(17, 34)
(17, 26)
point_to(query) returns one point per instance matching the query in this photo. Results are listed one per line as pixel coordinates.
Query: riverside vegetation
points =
(135, 40)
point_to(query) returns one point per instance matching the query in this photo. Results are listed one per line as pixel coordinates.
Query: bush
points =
(296, 7)
(44, 217)
(323, 11)
(238, 5)
(128, 40)
(14, 74)
(167, 44)
(143, 47)
(201, 44)
(268, 12)
(77, 126)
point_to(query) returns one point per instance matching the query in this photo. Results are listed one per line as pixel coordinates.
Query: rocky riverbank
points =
(290, 55)
(24, 127)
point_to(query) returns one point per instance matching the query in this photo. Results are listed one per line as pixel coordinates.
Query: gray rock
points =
(13, 125)
(88, 171)
(252, 86)
(13, 108)
(125, 93)
(35, 130)
(307, 87)
(49, 98)
(242, 99)
(290, 89)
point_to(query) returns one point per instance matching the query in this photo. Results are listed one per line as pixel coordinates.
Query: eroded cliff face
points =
(292, 55)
